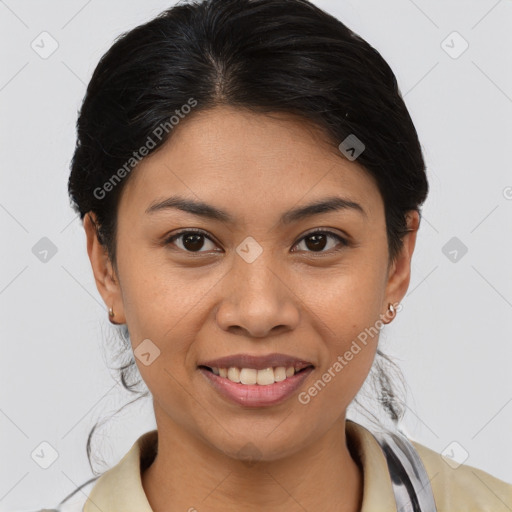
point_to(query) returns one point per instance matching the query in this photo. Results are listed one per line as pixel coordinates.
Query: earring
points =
(111, 315)
(391, 313)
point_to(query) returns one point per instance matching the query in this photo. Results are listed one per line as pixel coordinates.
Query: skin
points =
(297, 298)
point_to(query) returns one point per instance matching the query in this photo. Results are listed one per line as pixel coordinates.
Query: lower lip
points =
(254, 395)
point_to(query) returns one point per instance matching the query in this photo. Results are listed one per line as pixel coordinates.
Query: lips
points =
(256, 395)
(257, 362)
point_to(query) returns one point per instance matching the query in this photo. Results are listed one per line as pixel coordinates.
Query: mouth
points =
(256, 362)
(256, 381)
(261, 377)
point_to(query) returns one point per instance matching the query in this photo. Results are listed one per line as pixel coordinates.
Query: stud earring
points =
(111, 315)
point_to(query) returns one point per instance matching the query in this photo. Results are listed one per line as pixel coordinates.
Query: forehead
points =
(227, 155)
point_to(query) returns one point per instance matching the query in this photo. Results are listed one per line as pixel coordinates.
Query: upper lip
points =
(257, 362)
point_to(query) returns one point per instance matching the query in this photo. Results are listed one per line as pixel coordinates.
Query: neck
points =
(189, 474)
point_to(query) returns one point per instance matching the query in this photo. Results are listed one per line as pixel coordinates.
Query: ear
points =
(104, 273)
(399, 273)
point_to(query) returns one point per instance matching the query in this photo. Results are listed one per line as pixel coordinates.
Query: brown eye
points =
(317, 241)
(191, 241)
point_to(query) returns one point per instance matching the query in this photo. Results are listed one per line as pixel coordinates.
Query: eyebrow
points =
(329, 204)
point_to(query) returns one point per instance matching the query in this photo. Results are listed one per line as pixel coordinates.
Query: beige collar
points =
(120, 488)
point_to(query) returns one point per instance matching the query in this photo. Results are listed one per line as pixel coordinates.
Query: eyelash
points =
(188, 231)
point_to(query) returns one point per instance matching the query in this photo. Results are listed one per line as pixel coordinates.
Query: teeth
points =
(248, 376)
(251, 376)
(264, 377)
(279, 373)
(234, 374)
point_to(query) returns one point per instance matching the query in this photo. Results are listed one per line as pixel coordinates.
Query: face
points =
(252, 273)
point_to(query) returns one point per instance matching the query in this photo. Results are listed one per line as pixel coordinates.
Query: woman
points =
(250, 184)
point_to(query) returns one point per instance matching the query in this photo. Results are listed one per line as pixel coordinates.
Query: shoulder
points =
(463, 487)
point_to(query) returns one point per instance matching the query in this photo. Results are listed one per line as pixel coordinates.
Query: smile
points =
(256, 388)
(251, 376)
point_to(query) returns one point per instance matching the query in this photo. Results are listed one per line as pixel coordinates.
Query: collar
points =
(120, 488)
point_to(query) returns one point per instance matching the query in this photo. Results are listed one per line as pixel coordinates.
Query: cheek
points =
(346, 316)
(348, 302)
(348, 352)
(158, 300)
(164, 312)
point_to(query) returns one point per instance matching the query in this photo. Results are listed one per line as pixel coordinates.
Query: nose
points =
(258, 300)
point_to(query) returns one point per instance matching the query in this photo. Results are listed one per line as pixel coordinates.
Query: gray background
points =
(452, 338)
